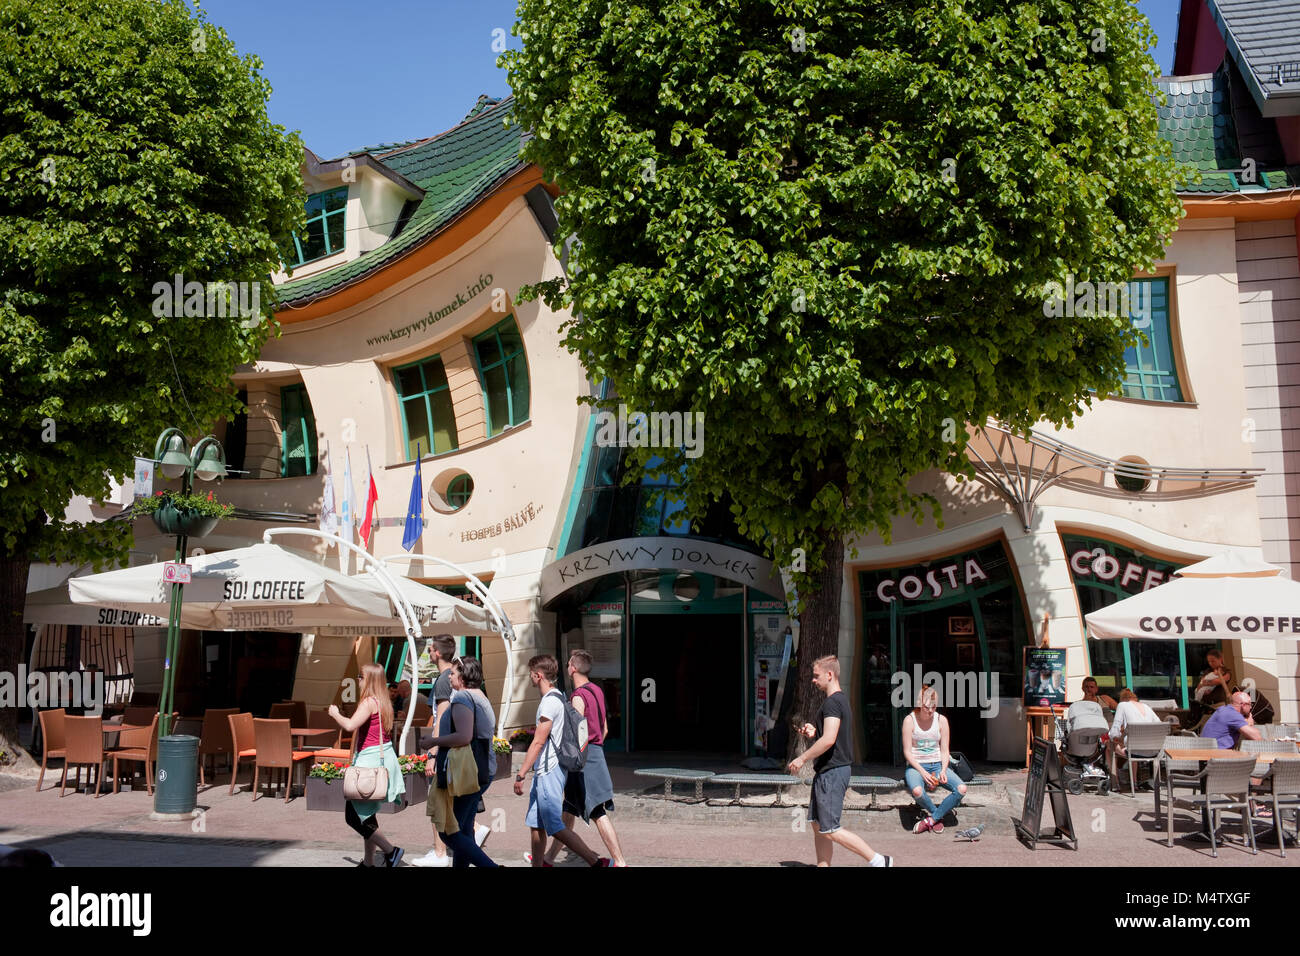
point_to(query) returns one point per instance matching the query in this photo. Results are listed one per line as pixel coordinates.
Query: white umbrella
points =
(261, 587)
(1228, 597)
(437, 612)
(52, 606)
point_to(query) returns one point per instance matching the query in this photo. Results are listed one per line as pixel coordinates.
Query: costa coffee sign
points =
(934, 583)
(1096, 563)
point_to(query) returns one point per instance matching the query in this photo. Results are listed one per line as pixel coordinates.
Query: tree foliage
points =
(134, 147)
(828, 224)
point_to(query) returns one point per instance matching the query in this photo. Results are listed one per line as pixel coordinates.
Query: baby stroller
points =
(1080, 734)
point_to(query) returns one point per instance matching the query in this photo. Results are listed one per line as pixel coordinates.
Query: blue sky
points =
(350, 75)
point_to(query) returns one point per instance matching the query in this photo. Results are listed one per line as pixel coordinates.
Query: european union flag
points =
(414, 509)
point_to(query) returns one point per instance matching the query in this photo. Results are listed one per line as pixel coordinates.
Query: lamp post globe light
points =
(174, 460)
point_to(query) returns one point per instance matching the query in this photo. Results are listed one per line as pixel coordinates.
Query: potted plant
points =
(522, 739)
(417, 784)
(325, 787)
(193, 515)
(505, 758)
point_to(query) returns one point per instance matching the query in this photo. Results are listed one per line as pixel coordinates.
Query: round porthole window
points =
(1132, 474)
(450, 491)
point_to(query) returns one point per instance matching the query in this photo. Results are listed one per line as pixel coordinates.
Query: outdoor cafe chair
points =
(275, 752)
(215, 739)
(321, 719)
(1183, 774)
(52, 739)
(85, 748)
(244, 744)
(294, 711)
(1227, 787)
(423, 712)
(138, 745)
(1144, 743)
(1286, 794)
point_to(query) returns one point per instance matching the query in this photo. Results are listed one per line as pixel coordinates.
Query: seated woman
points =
(926, 750)
(1130, 711)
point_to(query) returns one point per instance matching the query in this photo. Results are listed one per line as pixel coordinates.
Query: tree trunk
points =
(13, 642)
(819, 634)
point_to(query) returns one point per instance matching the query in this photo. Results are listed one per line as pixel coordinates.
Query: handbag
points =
(365, 783)
(959, 765)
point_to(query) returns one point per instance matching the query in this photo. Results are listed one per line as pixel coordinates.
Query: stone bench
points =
(779, 780)
(669, 775)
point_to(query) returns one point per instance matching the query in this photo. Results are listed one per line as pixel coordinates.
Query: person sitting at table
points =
(1090, 693)
(1228, 725)
(1129, 711)
(1216, 681)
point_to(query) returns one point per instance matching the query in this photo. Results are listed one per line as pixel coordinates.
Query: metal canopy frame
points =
(1020, 483)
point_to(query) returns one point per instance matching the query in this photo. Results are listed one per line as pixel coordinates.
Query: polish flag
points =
(372, 498)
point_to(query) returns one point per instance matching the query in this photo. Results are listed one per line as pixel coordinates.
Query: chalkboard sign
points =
(1044, 676)
(1045, 778)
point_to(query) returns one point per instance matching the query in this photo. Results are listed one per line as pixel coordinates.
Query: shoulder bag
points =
(366, 783)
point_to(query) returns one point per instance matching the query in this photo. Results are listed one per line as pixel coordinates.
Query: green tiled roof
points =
(1197, 120)
(455, 169)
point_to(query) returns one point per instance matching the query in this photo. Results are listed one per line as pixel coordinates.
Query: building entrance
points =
(697, 665)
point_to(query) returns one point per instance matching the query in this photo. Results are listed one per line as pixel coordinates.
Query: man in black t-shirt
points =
(832, 757)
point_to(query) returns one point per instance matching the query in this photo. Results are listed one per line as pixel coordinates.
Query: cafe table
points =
(300, 735)
(1174, 755)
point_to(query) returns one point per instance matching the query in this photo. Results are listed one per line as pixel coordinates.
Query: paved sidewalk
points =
(235, 830)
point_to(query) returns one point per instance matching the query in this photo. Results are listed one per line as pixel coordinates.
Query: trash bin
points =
(177, 787)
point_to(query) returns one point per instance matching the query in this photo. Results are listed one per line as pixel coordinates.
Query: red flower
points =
(209, 496)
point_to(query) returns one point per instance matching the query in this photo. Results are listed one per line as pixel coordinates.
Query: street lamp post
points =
(206, 461)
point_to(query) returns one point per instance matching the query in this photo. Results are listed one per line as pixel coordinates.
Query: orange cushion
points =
(333, 753)
(248, 753)
(303, 754)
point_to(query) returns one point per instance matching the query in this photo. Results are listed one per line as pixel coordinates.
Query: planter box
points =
(506, 765)
(173, 521)
(325, 795)
(417, 789)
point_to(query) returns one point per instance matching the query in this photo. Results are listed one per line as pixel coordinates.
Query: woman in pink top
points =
(374, 748)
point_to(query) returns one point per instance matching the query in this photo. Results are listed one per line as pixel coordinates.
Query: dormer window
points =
(325, 233)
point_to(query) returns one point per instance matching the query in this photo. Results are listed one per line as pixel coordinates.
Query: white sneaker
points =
(481, 834)
(432, 858)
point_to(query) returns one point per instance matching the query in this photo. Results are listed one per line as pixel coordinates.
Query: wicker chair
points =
(84, 738)
(322, 719)
(1181, 774)
(215, 739)
(243, 742)
(52, 740)
(138, 745)
(423, 712)
(275, 752)
(1144, 743)
(139, 716)
(1285, 778)
(294, 711)
(1227, 787)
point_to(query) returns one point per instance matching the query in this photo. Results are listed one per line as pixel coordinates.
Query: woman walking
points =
(926, 750)
(468, 722)
(374, 748)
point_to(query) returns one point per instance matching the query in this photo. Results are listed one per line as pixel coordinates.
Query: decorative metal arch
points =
(1051, 461)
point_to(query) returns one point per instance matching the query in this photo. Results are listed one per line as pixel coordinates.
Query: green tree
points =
(134, 147)
(828, 224)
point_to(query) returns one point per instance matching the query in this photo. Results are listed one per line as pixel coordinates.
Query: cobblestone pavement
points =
(235, 830)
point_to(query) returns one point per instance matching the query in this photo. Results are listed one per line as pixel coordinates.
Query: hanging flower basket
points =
(192, 515)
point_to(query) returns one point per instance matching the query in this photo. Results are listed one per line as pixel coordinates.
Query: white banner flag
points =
(143, 478)
(328, 516)
(348, 512)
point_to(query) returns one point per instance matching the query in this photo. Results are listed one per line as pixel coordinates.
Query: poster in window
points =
(602, 633)
(1044, 681)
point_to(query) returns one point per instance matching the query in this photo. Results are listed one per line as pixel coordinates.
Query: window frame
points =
(1177, 365)
(323, 217)
(502, 363)
(454, 488)
(307, 422)
(425, 393)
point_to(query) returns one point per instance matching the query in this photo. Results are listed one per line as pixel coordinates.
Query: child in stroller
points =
(1082, 733)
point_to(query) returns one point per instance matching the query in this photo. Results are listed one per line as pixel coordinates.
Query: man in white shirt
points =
(546, 800)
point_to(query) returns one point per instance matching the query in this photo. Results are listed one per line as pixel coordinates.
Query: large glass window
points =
(428, 419)
(297, 433)
(1105, 572)
(325, 232)
(957, 617)
(1150, 370)
(503, 370)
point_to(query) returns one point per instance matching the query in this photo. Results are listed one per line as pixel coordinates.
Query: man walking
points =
(443, 651)
(589, 792)
(832, 756)
(546, 800)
